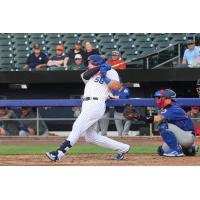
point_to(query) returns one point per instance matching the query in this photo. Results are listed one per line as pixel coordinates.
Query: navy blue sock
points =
(65, 146)
(168, 136)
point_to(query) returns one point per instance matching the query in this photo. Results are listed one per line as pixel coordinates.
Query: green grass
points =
(78, 149)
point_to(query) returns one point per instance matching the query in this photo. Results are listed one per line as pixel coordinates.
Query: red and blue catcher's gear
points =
(164, 98)
(97, 60)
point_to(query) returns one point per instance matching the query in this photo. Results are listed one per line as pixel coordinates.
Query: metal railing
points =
(147, 56)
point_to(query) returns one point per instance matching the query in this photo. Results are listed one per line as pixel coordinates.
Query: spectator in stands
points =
(192, 54)
(78, 63)
(72, 52)
(29, 127)
(8, 127)
(89, 50)
(194, 113)
(122, 125)
(116, 59)
(59, 61)
(37, 60)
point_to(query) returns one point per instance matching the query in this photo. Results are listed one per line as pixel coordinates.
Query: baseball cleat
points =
(55, 155)
(172, 153)
(120, 156)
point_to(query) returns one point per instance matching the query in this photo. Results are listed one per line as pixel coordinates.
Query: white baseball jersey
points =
(95, 86)
(92, 111)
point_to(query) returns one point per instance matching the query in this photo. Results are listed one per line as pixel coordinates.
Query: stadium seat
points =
(20, 42)
(177, 37)
(6, 64)
(161, 44)
(87, 37)
(6, 54)
(53, 35)
(137, 36)
(36, 35)
(20, 35)
(5, 42)
(104, 36)
(4, 36)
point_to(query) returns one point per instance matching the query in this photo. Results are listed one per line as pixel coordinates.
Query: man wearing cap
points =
(72, 52)
(8, 127)
(29, 127)
(37, 60)
(192, 54)
(59, 61)
(78, 63)
(194, 114)
(117, 60)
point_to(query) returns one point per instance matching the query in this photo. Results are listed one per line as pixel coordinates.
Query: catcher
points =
(175, 127)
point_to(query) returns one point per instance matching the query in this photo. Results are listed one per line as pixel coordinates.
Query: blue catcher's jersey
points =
(124, 93)
(177, 116)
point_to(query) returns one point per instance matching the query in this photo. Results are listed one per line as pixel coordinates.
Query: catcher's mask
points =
(96, 60)
(164, 98)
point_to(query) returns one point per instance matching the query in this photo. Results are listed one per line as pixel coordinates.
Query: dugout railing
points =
(37, 103)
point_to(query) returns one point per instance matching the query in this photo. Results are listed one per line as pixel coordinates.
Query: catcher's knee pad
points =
(160, 151)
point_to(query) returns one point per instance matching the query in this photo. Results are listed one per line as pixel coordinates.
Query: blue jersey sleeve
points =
(124, 94)
(174, 113)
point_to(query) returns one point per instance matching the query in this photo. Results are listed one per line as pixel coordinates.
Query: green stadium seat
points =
(161, 44)
(20, 35)
(99, 36)
(122, 36)
(69, 36)
(4, 36)
(146, 50)
(177, 37)
(6, 54)
(21, 54)
(87, 37)
(53, 35)
(137, 36)
(6, 48)
(20, 42)
(158, 35)
(6, 64)
(5, 42)
(139, 43)
(36, 35)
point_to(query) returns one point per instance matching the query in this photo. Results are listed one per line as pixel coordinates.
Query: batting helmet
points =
(96, 59)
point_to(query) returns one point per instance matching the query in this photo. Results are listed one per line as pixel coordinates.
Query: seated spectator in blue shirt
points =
(191, 54)
(59, 61)
(122, 125)
(37, 60)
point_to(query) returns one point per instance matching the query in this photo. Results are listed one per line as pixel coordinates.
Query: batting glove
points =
(106, 66)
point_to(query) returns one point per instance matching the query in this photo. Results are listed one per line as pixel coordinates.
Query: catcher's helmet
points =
(96, 59)
(167, 93)
(198, 87)
(164, 97)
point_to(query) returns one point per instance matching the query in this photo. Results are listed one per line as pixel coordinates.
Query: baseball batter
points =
(99, 80)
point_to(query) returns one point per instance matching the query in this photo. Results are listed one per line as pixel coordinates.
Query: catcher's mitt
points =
(130, 112)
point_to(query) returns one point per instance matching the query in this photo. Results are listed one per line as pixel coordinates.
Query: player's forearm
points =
(89, 73)
(114, 85)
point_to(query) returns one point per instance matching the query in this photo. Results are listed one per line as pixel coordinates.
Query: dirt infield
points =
(94, 159)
